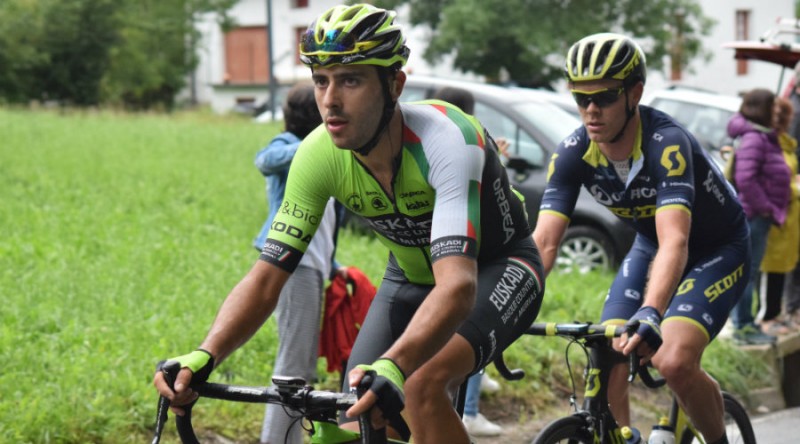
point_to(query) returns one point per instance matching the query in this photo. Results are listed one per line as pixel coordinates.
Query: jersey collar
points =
(595, 157)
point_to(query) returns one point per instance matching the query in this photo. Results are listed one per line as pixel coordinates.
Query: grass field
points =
(122, 233)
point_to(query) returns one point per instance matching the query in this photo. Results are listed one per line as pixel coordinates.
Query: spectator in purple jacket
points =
(762, 179)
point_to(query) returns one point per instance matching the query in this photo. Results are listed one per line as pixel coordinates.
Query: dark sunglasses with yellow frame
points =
(601, 97)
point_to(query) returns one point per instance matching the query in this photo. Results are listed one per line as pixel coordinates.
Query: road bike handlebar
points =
(584, 331)
(316, 405)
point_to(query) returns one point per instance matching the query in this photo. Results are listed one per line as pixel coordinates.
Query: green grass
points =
(121, 235)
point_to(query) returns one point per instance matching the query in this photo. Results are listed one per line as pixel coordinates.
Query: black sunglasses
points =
(602, 97)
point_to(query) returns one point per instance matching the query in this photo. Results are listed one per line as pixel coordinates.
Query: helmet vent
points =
(602, 56)
(623, 55)
(368, 25)
(588, 50)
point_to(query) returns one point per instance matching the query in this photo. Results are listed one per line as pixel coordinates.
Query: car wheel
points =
(585, 249)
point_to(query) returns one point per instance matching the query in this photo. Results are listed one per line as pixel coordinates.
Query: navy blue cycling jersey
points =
(669, 169)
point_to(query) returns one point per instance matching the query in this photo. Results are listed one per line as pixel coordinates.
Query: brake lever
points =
(170, 373)
(368, 433)
(633, 358)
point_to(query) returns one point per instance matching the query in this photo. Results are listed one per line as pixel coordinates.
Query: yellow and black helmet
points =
(354, 35)
(606, 56)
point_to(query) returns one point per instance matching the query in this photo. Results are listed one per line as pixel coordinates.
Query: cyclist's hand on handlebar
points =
(644, 325)
(196, 366)
(382, 383)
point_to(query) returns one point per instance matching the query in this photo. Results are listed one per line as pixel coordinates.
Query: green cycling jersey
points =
(450, 194)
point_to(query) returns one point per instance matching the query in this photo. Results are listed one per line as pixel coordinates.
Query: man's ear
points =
(396, 86)
(637, 92)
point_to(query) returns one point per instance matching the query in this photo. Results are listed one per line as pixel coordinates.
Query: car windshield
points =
(550, 123)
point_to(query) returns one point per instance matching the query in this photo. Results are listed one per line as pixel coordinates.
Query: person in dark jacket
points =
(762, 178)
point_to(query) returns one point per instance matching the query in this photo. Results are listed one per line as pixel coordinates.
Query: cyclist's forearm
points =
(665, 274)
(670, 260)
(547, 236)
(437, 319)
(245, 309)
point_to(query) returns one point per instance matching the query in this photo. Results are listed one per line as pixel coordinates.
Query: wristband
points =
(387, 368)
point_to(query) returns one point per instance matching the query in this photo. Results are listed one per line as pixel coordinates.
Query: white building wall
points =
(211, 70)
(718, 74)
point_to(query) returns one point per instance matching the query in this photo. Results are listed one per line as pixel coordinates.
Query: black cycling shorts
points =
(510, 291)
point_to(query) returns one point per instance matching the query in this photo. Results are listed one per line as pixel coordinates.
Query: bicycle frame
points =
(594, 409)
(595, 394)
(594, 422)
(680, 423)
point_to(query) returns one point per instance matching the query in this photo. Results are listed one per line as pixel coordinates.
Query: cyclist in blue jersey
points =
(463, 279)
(689, 263)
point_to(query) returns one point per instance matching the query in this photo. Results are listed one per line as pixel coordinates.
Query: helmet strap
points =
(629, 113)
(386, 116)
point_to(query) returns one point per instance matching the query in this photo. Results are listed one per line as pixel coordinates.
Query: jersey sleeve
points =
(303, 203)
(456, 169)
(561, 192)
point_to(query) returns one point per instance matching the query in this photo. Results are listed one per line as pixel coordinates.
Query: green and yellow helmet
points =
(354, 35)
(606, 56)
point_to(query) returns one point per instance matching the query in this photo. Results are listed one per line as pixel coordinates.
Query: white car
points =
(705, 114)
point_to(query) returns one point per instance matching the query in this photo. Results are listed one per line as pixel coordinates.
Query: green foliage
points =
(121, 235)
(21, 52)
(157, 52)
(137, 53)
(78, 36)
(489, 37)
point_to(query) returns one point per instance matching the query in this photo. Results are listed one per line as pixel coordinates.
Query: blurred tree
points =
(157, 51)
(526, 40)
(83, 52)
(77, 37)
(20, 49)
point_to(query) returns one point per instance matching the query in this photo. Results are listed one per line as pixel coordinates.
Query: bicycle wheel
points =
(569, 429)
(737, 423)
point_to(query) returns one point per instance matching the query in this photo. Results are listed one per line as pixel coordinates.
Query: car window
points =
(552, 121)
(708, 123)
(520, 142)
(413, 93)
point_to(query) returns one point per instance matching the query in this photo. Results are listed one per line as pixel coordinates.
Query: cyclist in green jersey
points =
(463, 279)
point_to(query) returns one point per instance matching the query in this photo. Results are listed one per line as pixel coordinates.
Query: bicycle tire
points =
(569, 429)
(737, 423)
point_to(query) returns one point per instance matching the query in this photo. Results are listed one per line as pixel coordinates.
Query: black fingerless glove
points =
(646, 322)
(385, 379)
